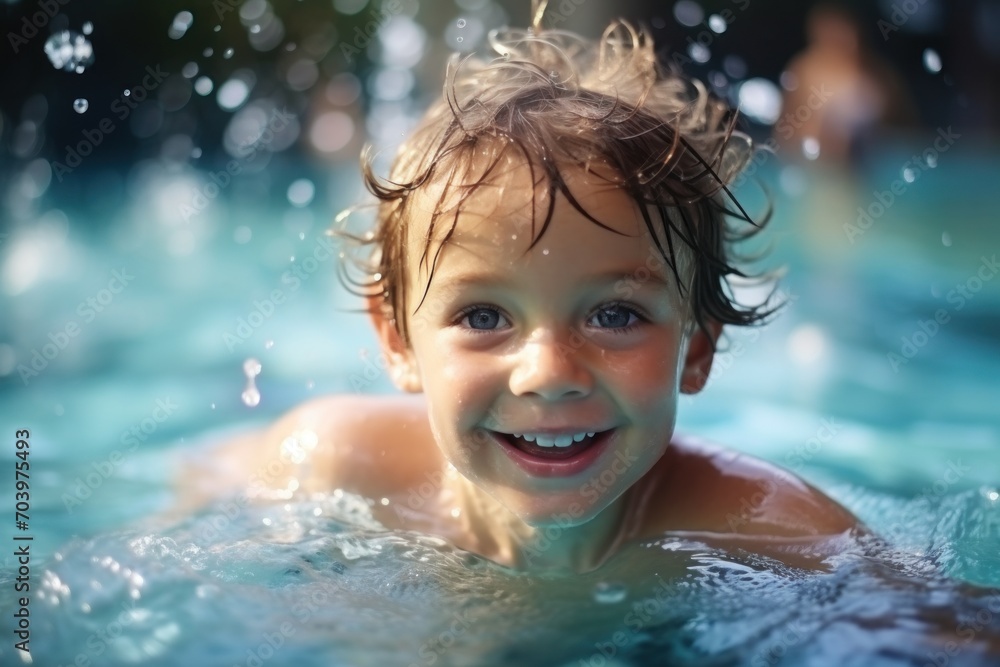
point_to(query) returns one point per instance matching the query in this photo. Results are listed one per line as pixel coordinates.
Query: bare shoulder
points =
(365, 444)
(702, 487)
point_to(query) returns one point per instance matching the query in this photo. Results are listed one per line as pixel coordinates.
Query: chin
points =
(540, 510)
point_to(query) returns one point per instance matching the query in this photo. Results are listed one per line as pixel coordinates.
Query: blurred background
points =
(167, 171)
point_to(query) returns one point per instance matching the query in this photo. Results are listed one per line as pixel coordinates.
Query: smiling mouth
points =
(552, 453)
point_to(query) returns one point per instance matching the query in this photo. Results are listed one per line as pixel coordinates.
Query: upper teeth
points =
(557, 441)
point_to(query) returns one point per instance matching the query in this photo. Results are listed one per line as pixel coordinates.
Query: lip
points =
(538, 467)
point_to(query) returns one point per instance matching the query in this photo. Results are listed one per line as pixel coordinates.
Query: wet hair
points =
(555, 100)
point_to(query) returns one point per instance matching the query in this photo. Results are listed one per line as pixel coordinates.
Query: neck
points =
(491, 530)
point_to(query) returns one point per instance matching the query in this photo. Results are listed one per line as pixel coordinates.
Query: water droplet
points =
(88, 28)
(932, 61)
(180, 25)
(993, 495)
(127, 92)
(212, 406)
(545, 251)
(268, 344)
(310, 384)
(458, 39)
(208, 52)
(196, 152)
(461, 23)
(251, 395)
(80, 105)
(909, 175)
(931, 160)
(228, 53)
(717, 23)
(255, 28)
(506, 56)
(513, 237)
(217, 28)
(810, 148)
(69, 51)
(946, 239)
(609, 593)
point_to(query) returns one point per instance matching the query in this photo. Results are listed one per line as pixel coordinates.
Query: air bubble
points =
(80, 105)
(459, 40)
(461, 23)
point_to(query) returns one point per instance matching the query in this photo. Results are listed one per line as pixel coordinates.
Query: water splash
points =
(80, 105)
(251, 395)
(70, 51)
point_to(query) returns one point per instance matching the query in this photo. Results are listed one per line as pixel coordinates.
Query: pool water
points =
(910, 443)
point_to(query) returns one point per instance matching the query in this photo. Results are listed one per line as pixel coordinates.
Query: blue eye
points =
(483, 318)
(615, 316)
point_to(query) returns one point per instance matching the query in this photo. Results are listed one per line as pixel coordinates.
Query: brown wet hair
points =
(554, 99)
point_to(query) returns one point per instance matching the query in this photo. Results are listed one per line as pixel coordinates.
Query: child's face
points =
(585, 333)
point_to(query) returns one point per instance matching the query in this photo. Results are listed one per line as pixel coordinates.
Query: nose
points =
(551, 369)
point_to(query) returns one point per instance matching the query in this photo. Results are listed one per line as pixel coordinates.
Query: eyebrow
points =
(636, 277)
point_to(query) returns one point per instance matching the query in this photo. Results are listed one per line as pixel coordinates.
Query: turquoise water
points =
(911, 444)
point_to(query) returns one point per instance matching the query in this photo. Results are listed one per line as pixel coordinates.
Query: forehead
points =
(498, 206)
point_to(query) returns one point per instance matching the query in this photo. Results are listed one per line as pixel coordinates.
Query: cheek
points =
(648, 379)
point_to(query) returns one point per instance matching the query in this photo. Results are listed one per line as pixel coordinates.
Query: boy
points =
(547, 275)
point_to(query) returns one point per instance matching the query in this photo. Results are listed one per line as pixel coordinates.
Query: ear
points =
(699, 356)
(400, 362)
